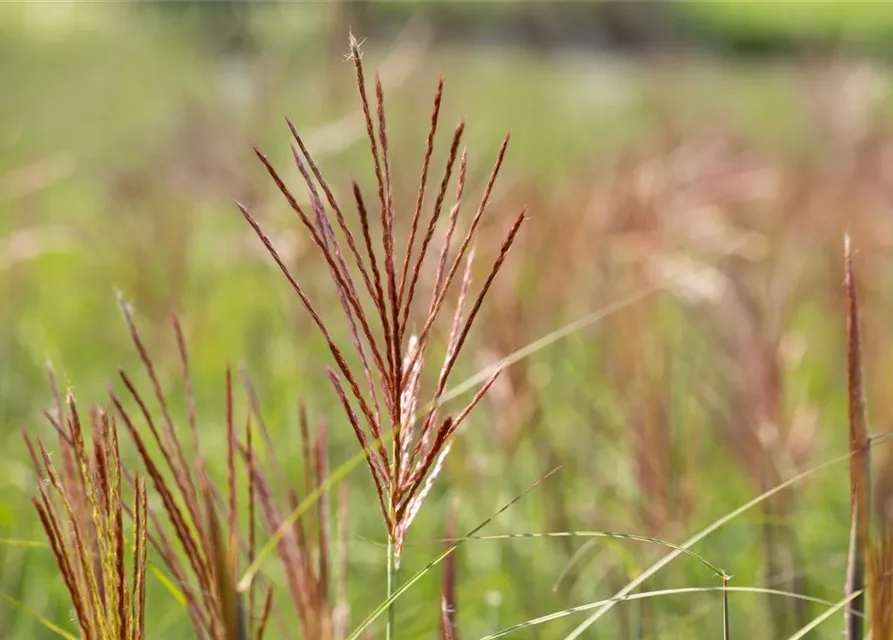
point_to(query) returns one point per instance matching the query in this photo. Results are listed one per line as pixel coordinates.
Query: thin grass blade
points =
(384, 606)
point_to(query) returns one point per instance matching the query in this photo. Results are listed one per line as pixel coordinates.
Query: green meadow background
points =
(690, 172)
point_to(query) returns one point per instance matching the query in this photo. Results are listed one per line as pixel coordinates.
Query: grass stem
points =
(392, 587)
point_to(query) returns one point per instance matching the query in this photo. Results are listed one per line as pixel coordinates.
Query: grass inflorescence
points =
(382, 397)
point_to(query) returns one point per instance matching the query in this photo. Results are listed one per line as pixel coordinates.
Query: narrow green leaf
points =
(167, 584)
(608, 534)
(652, 594)
(17, 542)
(834, 608)
(43, 621)
(405, 587)
(703, 533)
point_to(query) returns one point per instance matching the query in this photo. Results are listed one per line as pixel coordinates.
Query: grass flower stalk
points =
(382, 395)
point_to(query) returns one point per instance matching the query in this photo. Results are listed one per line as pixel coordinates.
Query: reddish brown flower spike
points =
(393, 375)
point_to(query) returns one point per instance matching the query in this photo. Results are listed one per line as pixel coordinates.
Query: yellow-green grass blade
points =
(611, 535)
(653, 594)
(703, 533)
(833, 608)
(59, 631)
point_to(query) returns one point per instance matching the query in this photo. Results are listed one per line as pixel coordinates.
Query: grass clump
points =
(81, 507)
(403, 435)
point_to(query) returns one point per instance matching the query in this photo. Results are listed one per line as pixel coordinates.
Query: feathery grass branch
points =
(402, 476)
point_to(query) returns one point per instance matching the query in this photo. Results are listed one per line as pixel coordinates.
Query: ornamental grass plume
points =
(206, 524)
(81, 508)
(205, 571)
(382, 397)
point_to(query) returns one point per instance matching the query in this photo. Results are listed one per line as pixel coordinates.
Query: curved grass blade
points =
(59, 631)
(18, 542)
(384, 606)
(168, 584)
(606, 534)
(833, 609)
(654, 594)
(703, 533)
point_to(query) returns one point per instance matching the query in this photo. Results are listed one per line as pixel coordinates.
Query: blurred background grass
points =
(711, 153)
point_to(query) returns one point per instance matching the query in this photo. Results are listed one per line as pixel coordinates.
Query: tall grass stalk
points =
(871, 481)
(390, 628)
(381, 397)
(858, 438)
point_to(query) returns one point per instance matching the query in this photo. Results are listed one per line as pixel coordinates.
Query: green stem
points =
(393, 551)
(392, 587)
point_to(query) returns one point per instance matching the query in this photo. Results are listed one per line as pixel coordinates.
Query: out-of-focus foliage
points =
(714, 192)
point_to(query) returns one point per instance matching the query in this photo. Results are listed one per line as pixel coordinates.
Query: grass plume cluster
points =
(81, 506)
(207, 574)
